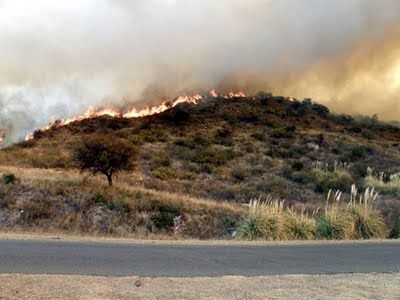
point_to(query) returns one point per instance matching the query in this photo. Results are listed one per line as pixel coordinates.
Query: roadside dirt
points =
(345, 286)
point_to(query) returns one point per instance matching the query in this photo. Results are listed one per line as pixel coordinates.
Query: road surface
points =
(178, 260)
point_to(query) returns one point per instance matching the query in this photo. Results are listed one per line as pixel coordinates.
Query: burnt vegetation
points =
(225, 151)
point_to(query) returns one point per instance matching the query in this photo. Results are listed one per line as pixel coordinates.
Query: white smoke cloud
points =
(58, 57)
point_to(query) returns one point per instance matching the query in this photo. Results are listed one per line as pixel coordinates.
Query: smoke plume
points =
(58, 57)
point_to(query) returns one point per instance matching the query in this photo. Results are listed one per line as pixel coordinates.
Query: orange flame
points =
(92, 113)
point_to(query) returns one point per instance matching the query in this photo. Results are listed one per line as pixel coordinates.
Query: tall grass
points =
(386, 183)
(271, 220)
(357, 219)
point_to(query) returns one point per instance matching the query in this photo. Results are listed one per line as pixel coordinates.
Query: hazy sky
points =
(58, 57)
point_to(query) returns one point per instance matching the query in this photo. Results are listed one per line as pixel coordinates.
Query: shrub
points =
(282, 133)
(161, 161)
(238, 174)
(153, 135)
(164, 173)
(97, 198)
(297, 166)
(326, 181)
(320, 109)
(395, 232)
(9, 178)
(259, 136)
(185, 143)
(163, 220)
(213, 157)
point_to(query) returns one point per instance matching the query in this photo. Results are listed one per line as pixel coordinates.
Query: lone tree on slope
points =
(105, 155)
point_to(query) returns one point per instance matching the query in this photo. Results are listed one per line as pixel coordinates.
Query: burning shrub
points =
(106, 155)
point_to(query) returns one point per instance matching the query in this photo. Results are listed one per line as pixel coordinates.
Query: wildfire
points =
(92, 113)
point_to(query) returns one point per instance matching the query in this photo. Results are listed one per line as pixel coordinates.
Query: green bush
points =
(238, 174)
(164, 173)
(297, 166)
(163, 220)
(281, 133)
(154, 135)
(9, 178)
(97, 198)
(326, 181)
(395, 232)
(213, 157)
(259, 136)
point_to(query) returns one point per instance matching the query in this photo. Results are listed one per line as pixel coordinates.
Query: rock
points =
(99, 214)
(14, 216)
(313, 146)
(100, 217)
(138, 283)
(3, 217)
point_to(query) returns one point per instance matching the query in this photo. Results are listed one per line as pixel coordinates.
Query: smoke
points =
(58, 57)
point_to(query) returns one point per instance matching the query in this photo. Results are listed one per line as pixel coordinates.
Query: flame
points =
(92, 113)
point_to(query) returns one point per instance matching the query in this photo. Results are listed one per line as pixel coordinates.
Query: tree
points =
(105, 155)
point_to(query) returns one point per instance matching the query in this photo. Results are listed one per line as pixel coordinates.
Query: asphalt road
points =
(119, 259)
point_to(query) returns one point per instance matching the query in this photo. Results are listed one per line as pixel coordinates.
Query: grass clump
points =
(357, 220)
(270, 220)
(386, 184)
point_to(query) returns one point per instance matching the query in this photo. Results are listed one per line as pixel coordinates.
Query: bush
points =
(163, 220)
(395, 232)
(213, 157)
(164, 173)
(154, 135)
(297, 166)
(97, 198)
(280, 133)
(320, 109)
(259, 136)
(326, 181)
(238, 174)
(9, 178)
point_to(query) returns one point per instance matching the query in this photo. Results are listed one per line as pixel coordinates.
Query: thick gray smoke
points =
(58, 57)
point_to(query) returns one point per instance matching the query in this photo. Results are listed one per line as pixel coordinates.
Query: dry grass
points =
(68, 201)
(271, 220)
(340, 286)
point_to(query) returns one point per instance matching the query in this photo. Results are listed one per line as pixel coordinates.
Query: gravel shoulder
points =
(40, 236)
(348, 286)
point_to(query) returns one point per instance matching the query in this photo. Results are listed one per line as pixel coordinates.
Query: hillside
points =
(229, 151)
